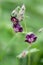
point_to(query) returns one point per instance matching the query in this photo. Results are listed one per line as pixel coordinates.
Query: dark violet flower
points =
(17, 27)
(17, 16)
(14, 20)
(30, 37)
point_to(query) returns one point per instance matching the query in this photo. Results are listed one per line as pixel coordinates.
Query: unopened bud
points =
(23, 54)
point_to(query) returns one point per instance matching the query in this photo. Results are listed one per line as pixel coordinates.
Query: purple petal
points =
(17, 27)
(20, 29)
(34, 39)
(32, 35)
(30, 38)
(27, 36)
(14, 20)
(27, 41)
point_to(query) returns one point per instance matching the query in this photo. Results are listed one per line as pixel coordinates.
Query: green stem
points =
(25, 27)
(25, 60)
(29, 56)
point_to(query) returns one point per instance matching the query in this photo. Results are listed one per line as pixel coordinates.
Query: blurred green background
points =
(11, 44)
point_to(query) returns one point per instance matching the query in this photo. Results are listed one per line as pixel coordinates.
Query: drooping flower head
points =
(16, 17)
(30, 37)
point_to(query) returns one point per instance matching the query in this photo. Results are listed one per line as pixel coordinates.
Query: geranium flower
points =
(30, 37)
